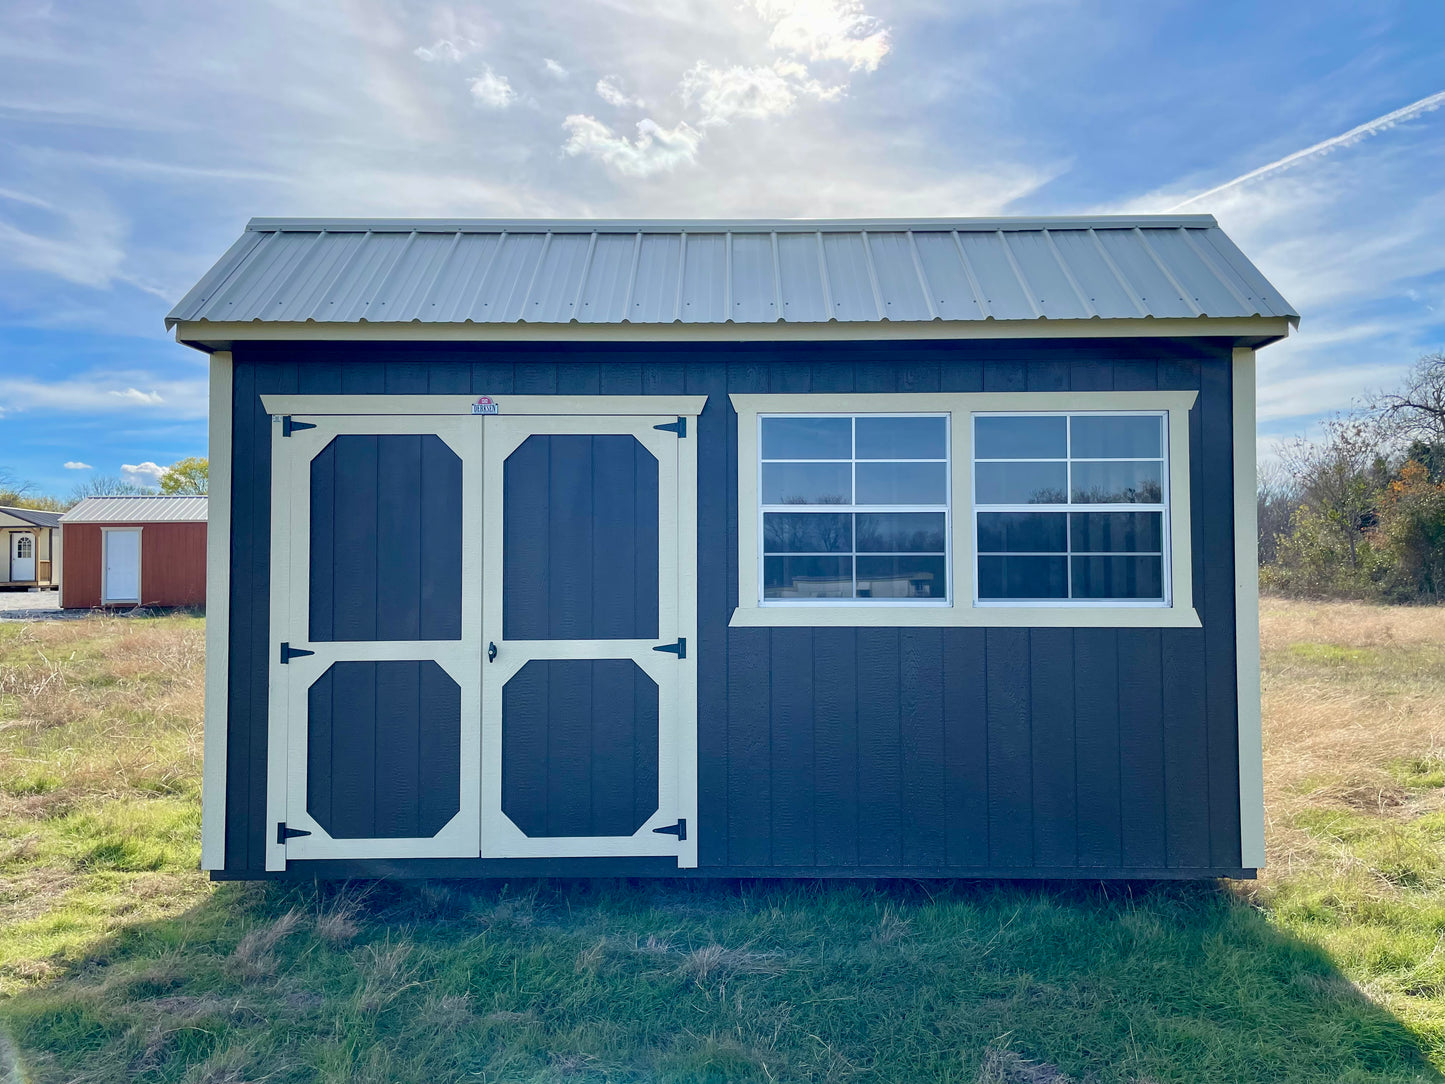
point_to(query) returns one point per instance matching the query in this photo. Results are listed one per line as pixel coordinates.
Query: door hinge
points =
(679, 830)
(283, 833)
(288, 652)
(288, 426)
(679, 649)
(679, 427)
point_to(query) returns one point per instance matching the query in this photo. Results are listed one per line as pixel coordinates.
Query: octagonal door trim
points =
(655, 561)
(402, 563)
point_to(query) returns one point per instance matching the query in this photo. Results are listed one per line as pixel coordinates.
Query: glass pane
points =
(1118, 483)
(807, 483)
(901, 532)
(807, 577)
(1021, 483)
(902, 438)
(1119, 577)
(1023, 577)
(1117, 436)
(807, 438)
(1021, 437)
(807, 532)
(1022, 532)
(908, 576)
(902, 483)
(1117, 532)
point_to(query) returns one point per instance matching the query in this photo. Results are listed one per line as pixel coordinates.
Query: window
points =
(854, 507)
(24, 546)
(1071, 506)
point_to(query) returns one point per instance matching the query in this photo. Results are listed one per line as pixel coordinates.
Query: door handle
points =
(491, 652)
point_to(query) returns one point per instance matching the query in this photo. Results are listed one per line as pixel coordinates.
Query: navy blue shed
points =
(733, 548)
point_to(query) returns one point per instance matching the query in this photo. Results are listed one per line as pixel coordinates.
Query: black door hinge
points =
(679, 830)
(288, 652)
(288, 426)
(679, 649)
(679, 427)
(283, 833)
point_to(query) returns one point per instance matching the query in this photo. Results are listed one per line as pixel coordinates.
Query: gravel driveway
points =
(33, 606)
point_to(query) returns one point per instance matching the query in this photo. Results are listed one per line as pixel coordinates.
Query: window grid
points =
(1068, 508)
(854, 510)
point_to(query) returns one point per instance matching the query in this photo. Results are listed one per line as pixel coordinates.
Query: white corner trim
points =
(1246, 615)
(543, 405)
(962, 611)
(218, 617)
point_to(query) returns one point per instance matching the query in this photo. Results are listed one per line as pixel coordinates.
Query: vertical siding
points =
(172, 564)
(80, 581)
(948, 749)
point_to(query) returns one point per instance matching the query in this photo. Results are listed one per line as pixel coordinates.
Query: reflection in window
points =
(854, 507)
(1070, 506)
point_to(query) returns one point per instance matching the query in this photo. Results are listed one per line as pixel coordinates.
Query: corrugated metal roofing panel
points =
(557, 272)
(148, 509)
(35, 516)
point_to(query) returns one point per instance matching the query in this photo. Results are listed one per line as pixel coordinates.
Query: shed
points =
(733, 548)
(135, 551)
(29, 548)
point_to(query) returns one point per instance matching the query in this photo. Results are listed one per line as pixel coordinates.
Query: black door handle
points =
(491, 652)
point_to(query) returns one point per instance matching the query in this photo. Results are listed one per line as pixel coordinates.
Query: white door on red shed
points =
(121, 581)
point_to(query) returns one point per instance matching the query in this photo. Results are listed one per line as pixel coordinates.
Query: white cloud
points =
(552, 68)
(104, 394)
(135, 395)
(724, 94)
(826, 30)
(492, 90)
(75, 464)
(447, 50)
(655, 150)
(142, 474)
(609, 89)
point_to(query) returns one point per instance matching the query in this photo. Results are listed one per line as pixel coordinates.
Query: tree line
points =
(185, 476)
(1360, 513)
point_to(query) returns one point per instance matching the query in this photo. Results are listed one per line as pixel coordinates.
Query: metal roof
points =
(33, 516)
(148, 509)
(711, 272)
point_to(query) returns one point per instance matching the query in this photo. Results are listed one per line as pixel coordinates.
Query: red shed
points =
(134, 551)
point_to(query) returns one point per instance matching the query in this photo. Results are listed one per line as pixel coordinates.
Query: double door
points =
(482, 633)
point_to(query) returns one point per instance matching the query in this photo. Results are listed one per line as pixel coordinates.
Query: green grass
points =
(119, 962)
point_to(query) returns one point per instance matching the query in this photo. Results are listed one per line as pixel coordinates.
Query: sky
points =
(137, 138)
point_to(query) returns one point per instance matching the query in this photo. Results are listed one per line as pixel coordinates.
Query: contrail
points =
(1354, 135)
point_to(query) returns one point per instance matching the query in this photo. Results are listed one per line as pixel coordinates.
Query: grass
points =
(119, 962)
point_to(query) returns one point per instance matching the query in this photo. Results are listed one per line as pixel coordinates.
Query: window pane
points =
(909, 576)
(1020, 438)
(1022, 532)
(807, 438)
(902, 483)
(1023, 577)
(1117, 437)
(1022, 483)
(807, 532)
(1118, 483)
(1119, 577)
(901, 532)
(1117, 532)
(807, 577)
(807, 483)
(902, 438)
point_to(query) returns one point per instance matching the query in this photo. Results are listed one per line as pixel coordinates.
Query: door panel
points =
(22, 557)
(376, 601)
(122, 566)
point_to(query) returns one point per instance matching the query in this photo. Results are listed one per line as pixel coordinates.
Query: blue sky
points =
(137, 139)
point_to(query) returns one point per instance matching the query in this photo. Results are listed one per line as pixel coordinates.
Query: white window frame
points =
(856, 509)
(962, 607)
(1069, 460)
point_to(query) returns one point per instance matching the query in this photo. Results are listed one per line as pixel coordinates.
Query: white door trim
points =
(15, 537)
(106, 598)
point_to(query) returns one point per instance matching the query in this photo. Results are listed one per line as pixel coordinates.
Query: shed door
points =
(376, 602)
(22, 557)
(122, 565)
(588, 732)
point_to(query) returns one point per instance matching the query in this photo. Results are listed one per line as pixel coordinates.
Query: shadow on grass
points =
(710, 981)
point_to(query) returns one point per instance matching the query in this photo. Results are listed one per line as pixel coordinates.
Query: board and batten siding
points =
(965, 751)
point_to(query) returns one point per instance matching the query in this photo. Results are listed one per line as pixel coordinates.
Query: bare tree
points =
(1277, 497)
(1417, 410)
(1340, 476)
(105, 485)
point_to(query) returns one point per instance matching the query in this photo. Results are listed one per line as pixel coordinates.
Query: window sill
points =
(805, 615)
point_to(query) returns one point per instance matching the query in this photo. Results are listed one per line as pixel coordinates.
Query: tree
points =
(1410, 536)
(107, 485)
(1340, 477)
(12, 489)
(187, 475)
(1417, 410)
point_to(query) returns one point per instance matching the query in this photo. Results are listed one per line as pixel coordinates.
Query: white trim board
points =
(451, 405)
(1180, 613)
(218, 617)
(1246, 615)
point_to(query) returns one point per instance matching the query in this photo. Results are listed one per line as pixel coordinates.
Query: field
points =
(120, 962)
